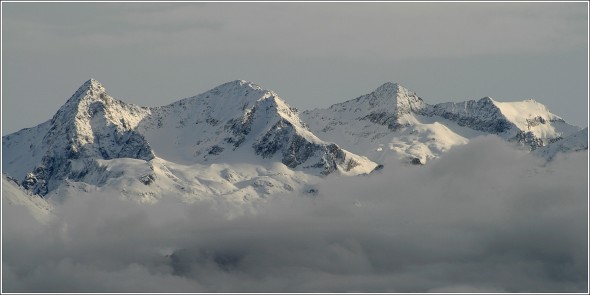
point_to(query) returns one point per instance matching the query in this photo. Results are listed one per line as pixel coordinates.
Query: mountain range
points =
(241, 142)
(393, 121)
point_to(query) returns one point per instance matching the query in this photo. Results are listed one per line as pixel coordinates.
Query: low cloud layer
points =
(483, 218)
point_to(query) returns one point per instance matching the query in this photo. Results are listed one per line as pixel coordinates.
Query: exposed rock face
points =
(528, 139)
(480, 115)
(296, 150)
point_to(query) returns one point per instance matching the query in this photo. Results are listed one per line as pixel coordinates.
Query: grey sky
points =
(312, 54)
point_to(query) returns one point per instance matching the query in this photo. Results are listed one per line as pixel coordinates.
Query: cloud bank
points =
(483, 218)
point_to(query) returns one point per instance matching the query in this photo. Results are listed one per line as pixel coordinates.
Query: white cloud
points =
(484, 217)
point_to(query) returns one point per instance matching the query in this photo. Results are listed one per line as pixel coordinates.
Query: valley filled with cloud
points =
(484, 217)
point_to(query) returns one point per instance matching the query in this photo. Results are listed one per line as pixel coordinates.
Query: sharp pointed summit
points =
(89, 93)
(89, 89)
(237, 85)
(403, 101)
(393, 89)
(388, 105)
(90, 125)
(90, 84)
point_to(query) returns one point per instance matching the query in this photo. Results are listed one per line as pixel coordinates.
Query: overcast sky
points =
(312, 54)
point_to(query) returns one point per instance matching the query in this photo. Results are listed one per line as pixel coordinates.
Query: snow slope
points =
(573, 143)
(527, 122)
(14, 195)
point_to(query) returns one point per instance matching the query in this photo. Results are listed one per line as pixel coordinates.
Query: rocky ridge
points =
(243, 142)
(237, 122)
(393, 122)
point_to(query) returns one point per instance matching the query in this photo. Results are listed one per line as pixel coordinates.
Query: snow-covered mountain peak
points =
(89, 89)
(396, 119)
(519, 112)
(91, 103)
(93, 84)
(237, 89)
(236, 119)
(393, 89)
(238, 84)
(90, 125)
(95, 139)
(525, 109)
(76, 107)
(391, 105)
(238, 99)
(250, 84)
(487, 99)
(391, 98)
